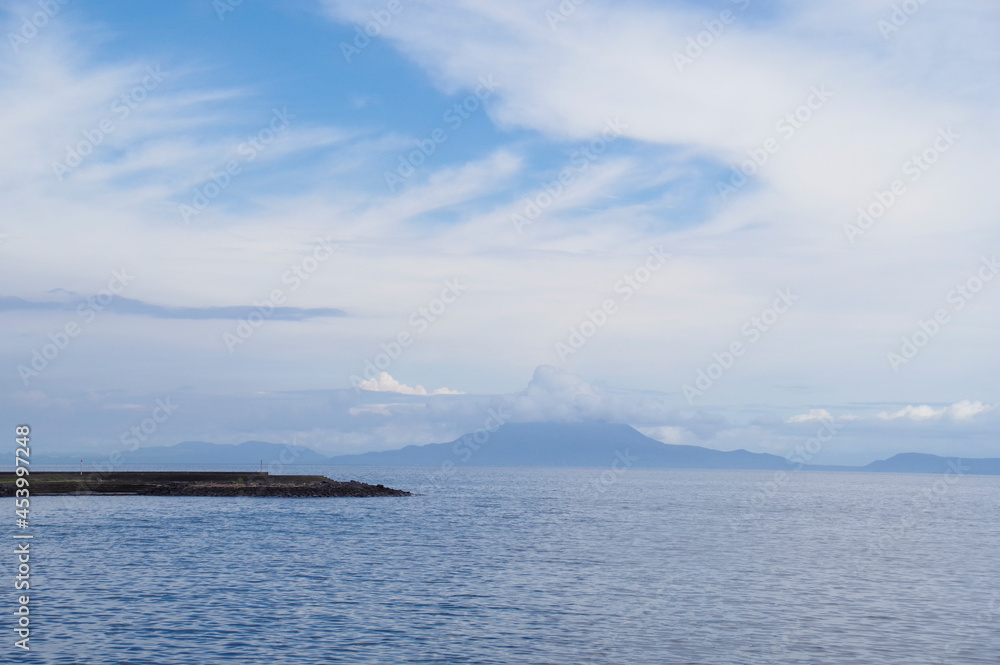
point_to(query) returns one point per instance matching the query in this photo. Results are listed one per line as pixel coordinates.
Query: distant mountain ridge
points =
(567, 444)
(924, 463)
(202, 452)
(590, 444)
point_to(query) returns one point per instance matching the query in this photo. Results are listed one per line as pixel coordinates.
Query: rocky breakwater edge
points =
(198, 483)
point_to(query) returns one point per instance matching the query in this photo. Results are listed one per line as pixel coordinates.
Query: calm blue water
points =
(526, 566)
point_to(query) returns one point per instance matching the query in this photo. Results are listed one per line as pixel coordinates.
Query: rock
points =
(193, 484)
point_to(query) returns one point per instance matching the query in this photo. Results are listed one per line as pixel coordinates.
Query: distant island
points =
(203, 483)
(587, 444)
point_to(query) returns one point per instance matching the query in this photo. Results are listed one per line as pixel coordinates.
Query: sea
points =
(523, 565)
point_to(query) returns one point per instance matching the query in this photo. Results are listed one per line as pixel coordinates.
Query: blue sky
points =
(725, 223)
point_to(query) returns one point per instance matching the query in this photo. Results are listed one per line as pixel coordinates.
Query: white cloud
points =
(384, 383)
(964, 410)
(555, 394)
(813, 415)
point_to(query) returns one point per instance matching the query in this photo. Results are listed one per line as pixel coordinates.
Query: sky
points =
(361, 225)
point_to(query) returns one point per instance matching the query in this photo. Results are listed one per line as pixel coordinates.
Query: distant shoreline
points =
(191, 483)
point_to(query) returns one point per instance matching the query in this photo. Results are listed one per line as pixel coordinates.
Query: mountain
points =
(567, 444)
(923, 463)
(593, 444)
(201, 452)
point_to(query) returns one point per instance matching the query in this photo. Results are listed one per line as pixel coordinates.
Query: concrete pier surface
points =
(190, 483)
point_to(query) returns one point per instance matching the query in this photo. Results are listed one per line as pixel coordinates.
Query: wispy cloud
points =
(656, 185)
(119, 305)
(964, 410)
